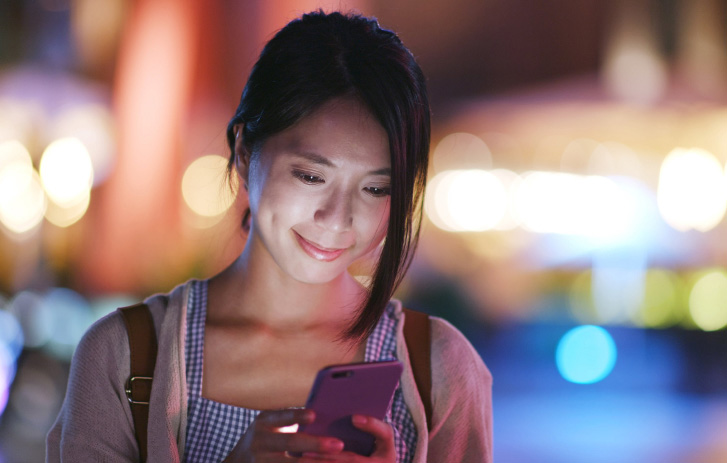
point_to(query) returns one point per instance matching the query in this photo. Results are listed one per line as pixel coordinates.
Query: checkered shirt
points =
(214, 428)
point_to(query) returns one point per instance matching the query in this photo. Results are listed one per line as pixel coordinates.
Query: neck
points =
(254, 291)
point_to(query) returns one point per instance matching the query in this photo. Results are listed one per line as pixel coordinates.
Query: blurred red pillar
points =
(181, 68)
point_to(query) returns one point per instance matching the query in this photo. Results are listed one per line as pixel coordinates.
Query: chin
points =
(309, 274)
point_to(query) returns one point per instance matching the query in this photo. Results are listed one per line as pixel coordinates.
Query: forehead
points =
(342, 130)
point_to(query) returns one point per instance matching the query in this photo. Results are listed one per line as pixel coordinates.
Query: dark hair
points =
(322, 56)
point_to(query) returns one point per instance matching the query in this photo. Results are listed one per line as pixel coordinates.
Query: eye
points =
(307, 178)
(378, 191)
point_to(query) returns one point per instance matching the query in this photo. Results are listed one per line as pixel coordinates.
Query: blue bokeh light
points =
(586, 354)
(7, 373)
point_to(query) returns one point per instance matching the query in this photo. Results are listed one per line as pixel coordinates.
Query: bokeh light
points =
(580, 298)
(476, 200)
(634, 71)
(461, 151)
(435, 201)
(66, 171)
(708, 301)
(7, 372)
(34, 318)
(19, 119)
(22, 200)
(617, 281)
(104, 305)
(692, 191)
(204, 186)
(586, 354)
(93, 126)
(70, 316)
(662, 301)
(12, 151)
(549, 202)
(510, 181)
(67, 216)
(11, 334)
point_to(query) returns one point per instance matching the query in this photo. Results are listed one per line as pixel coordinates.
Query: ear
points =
(242, 156)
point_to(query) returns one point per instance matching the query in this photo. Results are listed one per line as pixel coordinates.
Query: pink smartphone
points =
(341, 391)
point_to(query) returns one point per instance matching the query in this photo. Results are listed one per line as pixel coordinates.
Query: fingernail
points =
(334, 444)
(358, 419)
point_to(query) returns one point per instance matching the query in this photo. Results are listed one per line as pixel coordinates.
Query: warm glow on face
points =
(692, 192)
(204, 186)
(66, 171)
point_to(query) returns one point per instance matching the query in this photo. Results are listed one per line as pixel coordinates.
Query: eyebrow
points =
(324, 161)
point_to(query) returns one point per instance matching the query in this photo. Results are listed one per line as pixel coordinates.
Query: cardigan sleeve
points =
(461, 399)
(95, 422)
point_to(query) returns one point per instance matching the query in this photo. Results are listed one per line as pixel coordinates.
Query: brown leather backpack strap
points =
(143, 348)
(418, 343)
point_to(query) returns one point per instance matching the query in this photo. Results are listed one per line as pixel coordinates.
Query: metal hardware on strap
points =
(143, 354)
(130, 389)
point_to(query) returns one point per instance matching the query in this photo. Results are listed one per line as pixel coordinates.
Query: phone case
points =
(341, 391)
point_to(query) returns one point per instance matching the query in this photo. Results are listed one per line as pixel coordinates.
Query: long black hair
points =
(322, 56)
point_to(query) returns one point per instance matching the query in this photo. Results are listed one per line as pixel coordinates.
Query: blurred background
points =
(574, 224)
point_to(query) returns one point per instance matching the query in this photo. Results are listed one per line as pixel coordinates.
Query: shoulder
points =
(450, 349)
(106, 340)
(450, 345)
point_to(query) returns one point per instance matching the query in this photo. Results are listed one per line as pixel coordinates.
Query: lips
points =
(316, 252)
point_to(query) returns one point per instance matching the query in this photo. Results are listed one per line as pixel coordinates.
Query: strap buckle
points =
(130, 389)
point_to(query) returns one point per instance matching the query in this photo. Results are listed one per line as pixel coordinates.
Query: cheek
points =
(377, 226)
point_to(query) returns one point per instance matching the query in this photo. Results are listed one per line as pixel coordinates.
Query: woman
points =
(331, 142)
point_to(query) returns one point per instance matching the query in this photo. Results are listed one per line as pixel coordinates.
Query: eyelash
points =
(310, 179)
(382, 191)
(307, 178)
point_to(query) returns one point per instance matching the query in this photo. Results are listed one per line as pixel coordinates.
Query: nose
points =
(335, 213)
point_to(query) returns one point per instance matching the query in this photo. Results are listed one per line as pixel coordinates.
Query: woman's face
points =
(319, 192)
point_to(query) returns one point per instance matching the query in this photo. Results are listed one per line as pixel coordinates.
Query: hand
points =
(384, 450)
(264, 443)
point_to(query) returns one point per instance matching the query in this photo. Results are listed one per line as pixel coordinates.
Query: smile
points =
(324, 255)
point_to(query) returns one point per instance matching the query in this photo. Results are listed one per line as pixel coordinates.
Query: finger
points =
(299, 443)
(343, 457)
(381, 430)
(311, 457)
(285, 417)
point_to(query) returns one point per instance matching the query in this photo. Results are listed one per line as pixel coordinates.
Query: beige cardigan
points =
(95, 422)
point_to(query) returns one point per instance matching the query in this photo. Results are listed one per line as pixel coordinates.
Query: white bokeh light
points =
(22, 201)
(435, 202)
(692, 191)
(66, 171)
(569, 204)
(476, 200)
(93, 125)
(67, 216)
